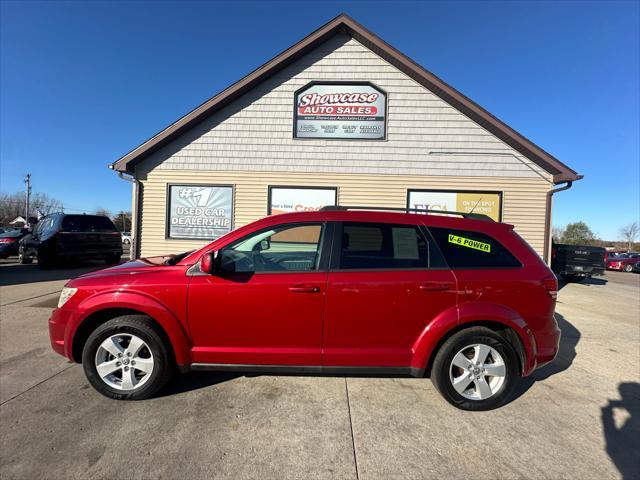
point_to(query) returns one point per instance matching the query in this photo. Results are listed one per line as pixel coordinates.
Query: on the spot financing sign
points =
(486, 203)
(340, 110)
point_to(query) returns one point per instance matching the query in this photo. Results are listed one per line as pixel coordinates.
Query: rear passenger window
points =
(465, 249)
(375, 246)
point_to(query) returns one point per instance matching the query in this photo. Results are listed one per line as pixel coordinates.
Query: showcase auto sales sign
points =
(340, 110)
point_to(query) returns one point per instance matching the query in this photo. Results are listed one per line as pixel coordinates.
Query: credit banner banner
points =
(340, 110)
(486, 203)
(199, 211)
(292, 199)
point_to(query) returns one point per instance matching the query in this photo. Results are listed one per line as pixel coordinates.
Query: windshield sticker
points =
(467, 242)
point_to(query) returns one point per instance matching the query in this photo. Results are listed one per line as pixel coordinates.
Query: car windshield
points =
(176, 258)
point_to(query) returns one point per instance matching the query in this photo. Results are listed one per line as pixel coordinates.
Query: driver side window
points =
(292, 248)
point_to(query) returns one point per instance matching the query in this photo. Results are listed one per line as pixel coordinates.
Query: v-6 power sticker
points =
(467, 242)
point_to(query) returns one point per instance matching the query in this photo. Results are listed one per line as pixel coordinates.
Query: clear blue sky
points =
(82, 83)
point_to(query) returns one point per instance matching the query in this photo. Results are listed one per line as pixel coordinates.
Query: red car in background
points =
(621, 261)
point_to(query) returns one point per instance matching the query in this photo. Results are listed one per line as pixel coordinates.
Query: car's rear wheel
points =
(45, 261)
(112, 259)
(475, 369)
(628, 268)
(126, 358)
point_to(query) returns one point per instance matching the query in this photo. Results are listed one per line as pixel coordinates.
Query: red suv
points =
(463, 300)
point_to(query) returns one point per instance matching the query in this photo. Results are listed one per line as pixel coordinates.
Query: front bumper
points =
(57, 330)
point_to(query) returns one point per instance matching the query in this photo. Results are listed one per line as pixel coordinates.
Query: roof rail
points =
(471, 215)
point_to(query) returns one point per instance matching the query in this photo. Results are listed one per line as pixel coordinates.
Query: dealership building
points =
(343, 118)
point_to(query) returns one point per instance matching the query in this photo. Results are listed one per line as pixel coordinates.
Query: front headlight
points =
(65, 295)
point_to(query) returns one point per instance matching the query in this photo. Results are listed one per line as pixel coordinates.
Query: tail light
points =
(554, 251)
(7, 240)
(550, 284)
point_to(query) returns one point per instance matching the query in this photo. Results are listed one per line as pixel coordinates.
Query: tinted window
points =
(466, 249)
(87, 223)
(286, 248)
(369, 245)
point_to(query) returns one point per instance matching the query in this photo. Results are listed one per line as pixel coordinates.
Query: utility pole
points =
(27, 180)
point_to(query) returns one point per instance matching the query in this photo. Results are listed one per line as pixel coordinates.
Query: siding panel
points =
(523, 198)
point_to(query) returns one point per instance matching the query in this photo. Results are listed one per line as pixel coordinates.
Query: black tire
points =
(628, 268)
(45, 262)
(460, 340)
(144, 328)
(112, 259)
(24, 260)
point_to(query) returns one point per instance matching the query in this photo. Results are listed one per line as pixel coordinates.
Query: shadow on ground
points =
(16, 274)
(566, 354)
(195, 381)
(587, 282)
(622, 437)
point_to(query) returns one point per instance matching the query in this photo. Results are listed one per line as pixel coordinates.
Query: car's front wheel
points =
(22, 257)
(628, 268)
(475, 369)
(126, 358)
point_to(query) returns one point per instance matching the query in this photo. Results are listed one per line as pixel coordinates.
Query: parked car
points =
(622, 262)
(10, 241)
(636, 268)
(466, 301)
(63, 237)
(126, 238)
(577, 262)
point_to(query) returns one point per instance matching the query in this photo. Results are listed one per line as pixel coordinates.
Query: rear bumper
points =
(583, 271)
(548, 345)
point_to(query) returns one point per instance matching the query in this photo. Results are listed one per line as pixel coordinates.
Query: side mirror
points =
(208, 263)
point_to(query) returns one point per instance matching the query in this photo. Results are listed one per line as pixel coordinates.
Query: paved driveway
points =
(577, 418)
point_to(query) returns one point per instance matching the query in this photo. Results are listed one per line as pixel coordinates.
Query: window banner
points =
(199, 211)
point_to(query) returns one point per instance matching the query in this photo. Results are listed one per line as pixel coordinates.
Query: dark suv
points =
(60, 236)
(464, 300)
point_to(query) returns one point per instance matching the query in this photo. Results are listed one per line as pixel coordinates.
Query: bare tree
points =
(557, 233)
(103, 211)
(13, 205)
(629, 233)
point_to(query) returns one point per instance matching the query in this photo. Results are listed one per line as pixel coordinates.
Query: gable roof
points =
(345, 24)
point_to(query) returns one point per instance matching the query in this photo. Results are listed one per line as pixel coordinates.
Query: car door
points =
(266, 304)
(387, 282)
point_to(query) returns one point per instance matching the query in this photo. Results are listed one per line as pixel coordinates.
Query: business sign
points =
(351, 110)
(199, 211)
(486, 203)
(300, 199)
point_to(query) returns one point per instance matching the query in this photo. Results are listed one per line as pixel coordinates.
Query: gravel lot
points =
(577, 418)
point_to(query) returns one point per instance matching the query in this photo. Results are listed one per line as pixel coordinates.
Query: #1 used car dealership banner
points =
(199, 211)
(486, 203)
(285, 199)
(340, 110)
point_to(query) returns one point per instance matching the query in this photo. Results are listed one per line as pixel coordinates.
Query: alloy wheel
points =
(477, 372)
(124, 361)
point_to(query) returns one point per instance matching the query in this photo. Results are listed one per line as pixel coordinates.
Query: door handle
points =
(433, 287)
(304, 289)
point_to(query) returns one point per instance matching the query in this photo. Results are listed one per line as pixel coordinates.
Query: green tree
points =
(578, 233)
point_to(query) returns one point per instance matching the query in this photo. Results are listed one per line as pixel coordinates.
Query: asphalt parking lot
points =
(576, 418)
